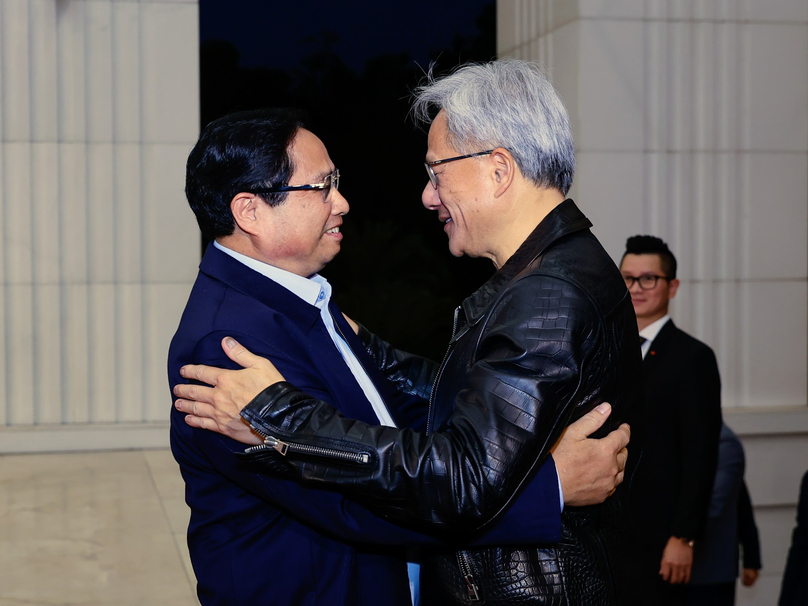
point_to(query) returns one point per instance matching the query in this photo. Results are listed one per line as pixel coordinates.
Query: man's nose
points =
(339, 205)
(429, 197)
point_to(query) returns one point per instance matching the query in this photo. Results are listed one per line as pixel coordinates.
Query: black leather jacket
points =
(548, 337)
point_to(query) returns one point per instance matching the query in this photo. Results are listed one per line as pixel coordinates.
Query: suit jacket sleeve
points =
(699, 426)
(728, 475)
(519, 395)
(747, 530)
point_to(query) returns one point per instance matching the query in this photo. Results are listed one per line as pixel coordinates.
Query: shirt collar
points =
(314, 291)
(562, 220)
(651, 331)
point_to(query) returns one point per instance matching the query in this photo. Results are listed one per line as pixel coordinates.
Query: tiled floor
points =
(93, 529)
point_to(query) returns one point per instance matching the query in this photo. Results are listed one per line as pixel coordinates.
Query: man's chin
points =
(455, 251)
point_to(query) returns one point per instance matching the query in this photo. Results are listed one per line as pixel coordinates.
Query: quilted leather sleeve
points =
(411, 374)
(510, 406)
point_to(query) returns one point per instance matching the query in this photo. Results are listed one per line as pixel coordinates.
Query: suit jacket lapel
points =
(346, 393)
(659, 347)
(225, 268)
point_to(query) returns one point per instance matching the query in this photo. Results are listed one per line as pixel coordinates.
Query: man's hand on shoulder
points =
(218, 408)
(591, 469)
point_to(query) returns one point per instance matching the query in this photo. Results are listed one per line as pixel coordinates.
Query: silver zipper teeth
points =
(440, 372)
(286, 448)
(465, 570)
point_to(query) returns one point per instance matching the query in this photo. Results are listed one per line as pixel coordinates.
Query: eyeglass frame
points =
(631, 280)
(433, 178)
(330, 181)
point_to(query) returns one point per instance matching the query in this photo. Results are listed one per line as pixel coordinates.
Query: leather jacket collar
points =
(564, 219)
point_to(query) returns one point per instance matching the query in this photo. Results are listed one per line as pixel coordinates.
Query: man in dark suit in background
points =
(682, 390)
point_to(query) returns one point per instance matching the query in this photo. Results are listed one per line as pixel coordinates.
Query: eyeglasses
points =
(646, 281)
(431, 173)
(330, 184)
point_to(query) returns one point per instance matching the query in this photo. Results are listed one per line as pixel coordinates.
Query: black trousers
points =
(719, 594)
(653, 590)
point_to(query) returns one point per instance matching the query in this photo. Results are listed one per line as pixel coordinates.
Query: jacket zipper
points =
(287, 448)
(465, 570)
(440, 372)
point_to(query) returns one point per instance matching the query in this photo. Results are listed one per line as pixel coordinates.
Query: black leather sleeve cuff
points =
(261, 404)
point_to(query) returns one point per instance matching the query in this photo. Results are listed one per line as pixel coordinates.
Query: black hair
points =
(241, 151)
(651, 245)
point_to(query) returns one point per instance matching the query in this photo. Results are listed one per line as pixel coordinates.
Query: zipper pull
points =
(474, 596)
(281, 447)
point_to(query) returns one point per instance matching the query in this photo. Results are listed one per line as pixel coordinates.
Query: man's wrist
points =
(687, 541)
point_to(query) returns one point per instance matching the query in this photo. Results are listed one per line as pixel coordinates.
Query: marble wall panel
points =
(75, 350)
(132, 357)
(775, 195)
(18, 237)
(169, 41)
(773, 330)
(19, 369)
(98, 110)
(163, 304)
(71, 86)
(775, 94)
(127, 70)
(600, 179)
(47, 353)
(774, 10)
(99, 78)
(168, 222)
(16, 73)
(43, 62)
(610, 99)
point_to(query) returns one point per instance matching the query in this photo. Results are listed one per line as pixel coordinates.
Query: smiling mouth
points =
(449, 220)
(333, 230)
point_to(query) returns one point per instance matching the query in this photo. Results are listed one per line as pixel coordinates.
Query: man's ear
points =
(245, 208)
(673, 286)
(504, 170)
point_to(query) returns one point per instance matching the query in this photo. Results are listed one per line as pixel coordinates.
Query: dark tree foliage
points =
(394, 273)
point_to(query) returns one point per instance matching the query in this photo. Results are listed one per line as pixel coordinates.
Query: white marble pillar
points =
(99, 106)
(691, 123)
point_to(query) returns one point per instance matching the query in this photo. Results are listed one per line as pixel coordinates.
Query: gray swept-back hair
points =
(508, 103)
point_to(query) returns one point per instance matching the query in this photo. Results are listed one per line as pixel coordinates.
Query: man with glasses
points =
(550, 337)
(264, 189)
(682, 391)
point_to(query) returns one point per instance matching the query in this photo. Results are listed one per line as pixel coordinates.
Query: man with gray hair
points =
(551, 336)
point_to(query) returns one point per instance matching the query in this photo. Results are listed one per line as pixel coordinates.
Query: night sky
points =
(278, 34)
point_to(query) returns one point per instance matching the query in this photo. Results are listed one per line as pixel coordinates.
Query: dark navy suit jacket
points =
(715, 559)
(677, 437)
(256, 539)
